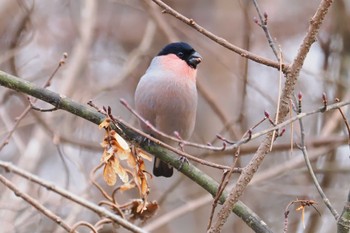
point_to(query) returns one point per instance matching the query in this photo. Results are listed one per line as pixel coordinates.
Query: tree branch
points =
(219, 40)
(291, 79)
(71, 196)
(90, 114)
(48, 213)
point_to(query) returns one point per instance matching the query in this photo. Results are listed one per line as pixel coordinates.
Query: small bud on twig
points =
(265, 18)
(300, 98)
(267, 115)
(325, 102)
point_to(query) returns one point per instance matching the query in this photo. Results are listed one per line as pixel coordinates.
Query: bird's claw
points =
(143, 140)
(182, 161)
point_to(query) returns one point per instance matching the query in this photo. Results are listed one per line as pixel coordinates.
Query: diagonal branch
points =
(70, 196)
(219, 40)
(90, 114)
(48, 213)
(291, 79)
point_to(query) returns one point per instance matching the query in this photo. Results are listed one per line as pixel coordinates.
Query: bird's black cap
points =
(184, 51)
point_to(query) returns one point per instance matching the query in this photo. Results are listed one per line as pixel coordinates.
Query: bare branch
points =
(292, 77)
(70, 196)
(312, 174)
(217, 39)
(48, 213)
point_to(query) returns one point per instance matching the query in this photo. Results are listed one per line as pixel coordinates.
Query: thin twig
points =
(346, 123)
(89, 114)
(312, 174)
(224, 181)
(176, 139)
(92, 179)
(285, 123)
(315, 142)
(291, 128)
(243, 140)
(177, 151)
(217, 39)
(113, 206)
(48, 213)
(155, 130)
(71, 196)
(280, 59)
(29, 107)
(302, 205)
(263, 25)
(83, 223)
(291, 79)
(99, 224)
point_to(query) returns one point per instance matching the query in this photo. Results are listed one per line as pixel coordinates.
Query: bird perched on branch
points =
(166, 96)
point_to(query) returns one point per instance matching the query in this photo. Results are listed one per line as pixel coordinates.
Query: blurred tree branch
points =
(71, 196)
(35, 204)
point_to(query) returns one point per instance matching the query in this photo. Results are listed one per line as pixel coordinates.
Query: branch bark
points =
(131, 134)
(291, 79)
(217, 39)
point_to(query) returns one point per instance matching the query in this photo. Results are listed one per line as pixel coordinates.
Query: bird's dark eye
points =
(180, 54)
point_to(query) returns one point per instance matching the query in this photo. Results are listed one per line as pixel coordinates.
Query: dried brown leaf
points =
(121, 172)
(109, 174)
(105, 123)
(144, 155)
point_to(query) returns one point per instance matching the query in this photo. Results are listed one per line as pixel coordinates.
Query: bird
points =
(166, 96)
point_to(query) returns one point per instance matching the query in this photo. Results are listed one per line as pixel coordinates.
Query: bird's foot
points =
(182, 161)
(143, 140)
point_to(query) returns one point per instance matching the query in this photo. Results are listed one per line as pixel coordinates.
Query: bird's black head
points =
(184, 51)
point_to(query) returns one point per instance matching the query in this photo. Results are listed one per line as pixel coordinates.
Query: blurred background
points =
(110, 43)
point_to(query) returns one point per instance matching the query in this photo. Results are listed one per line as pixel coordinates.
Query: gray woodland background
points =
(109, 47)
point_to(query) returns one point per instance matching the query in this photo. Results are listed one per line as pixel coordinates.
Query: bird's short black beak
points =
(194, 60)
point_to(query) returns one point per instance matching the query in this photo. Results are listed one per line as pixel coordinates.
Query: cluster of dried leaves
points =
(126, 162)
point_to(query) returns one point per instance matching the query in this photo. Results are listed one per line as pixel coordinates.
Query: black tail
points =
(161, 168)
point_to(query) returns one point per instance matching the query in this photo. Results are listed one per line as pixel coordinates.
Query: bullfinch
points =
(166, 96)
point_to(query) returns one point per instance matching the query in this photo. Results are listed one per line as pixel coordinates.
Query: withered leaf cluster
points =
(124, 161)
